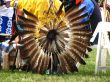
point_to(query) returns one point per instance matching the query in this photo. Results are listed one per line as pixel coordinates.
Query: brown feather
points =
(80, 50)
(78, 19)
(63, 64)
(72, 10)
(47, 62)
(28, 38)
(79, 25)
(27, 42)
(87, 42)
(34, 58)
(27, 20)
(71, 62)
(59, 46)
(28, 52)
(62, 41)
(84, 34)
(41, 64)
(75, 56)
(30, 14)
(27, 26)
(24, 32)
(51, 63)
(59, 24)
(37, 63)
(44, 64)
(13, 37)
(62, 29)
(44, 31)
(60, 9)
(28, 45)
(79, 43)
(65, 35)
(76, 14)
(47, 26)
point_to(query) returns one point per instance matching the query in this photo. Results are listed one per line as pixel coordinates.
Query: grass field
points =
(85, 74)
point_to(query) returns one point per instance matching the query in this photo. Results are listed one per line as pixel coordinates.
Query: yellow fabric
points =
(38, 8)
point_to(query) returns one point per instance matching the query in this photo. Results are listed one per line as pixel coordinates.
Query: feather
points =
(80, 50)
(65, 35)
(51, 63)
(27, 20)
(76, 13)
(44, 62)
(84, 41)
(60, 9)
(34, 58)
(59, 24)
(63, 64)
(40, 64)
(72, 10)
(75, 56)
(26, 32)
(34, 54)
(28, 45)
(89, 49)
(47, 26)
(29, 37)
(47, 62)
(62, 29)
(42, 69)
(28, 51)
(67, 67)
(28, 41)
(79, 25)
(30, 15)
(78, 19)
(45, 31)
(27, 25)
(13, 37)
(84, 34)
(37, 63)
(71, 63)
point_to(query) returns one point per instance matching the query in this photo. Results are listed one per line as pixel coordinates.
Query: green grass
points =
(85, 74)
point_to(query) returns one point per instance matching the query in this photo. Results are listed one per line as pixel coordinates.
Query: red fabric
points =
(18, 13)
(13, 29)
(78, 1)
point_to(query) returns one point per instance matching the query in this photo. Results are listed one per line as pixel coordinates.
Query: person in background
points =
(6, 14)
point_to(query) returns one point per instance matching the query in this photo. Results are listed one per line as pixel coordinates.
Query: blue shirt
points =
(5, 25)
(89, 8)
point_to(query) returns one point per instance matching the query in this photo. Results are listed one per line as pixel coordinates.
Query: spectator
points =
(6, 15)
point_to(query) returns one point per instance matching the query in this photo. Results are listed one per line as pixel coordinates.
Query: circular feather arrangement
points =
(56, 44)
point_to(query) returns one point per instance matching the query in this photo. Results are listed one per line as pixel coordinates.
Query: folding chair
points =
(103, 47)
